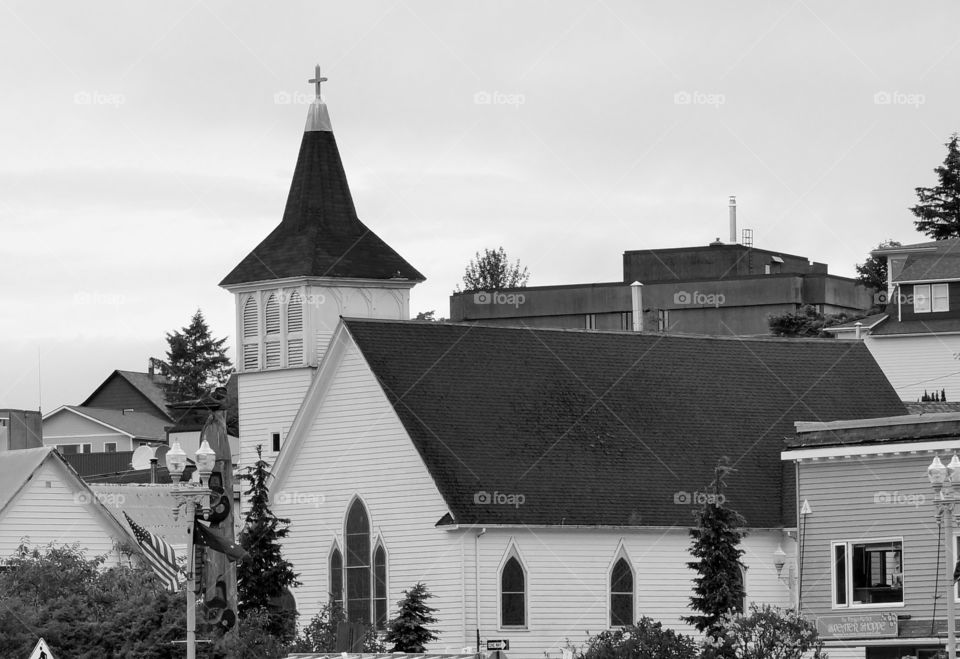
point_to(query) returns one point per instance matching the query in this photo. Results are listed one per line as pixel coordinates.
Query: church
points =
(540, 482)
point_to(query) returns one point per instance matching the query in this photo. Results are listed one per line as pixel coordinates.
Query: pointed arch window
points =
(295, 330)
(380, 586)
(271, 316)
(513, 594)
(621, 593)
(251, 339)
(336, 575)
(357, 603)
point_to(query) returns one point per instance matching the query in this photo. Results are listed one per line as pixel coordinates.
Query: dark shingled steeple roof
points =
(320, 234)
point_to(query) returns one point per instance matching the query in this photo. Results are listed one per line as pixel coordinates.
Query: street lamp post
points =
(189, 496)
(943, 478)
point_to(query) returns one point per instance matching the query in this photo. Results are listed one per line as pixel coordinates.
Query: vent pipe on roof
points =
(636, 295)
(733, 220)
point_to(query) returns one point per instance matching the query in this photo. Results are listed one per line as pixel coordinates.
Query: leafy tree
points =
(645, 640)
(493, 271)
(255, 638)
(807, 322)
(769, 632)
(873, 271)
(320, 634)
(196, 364)
(263, 580)
(429, 315)
(84, 609)
(938, 210)
(715, 544)
(408, 631)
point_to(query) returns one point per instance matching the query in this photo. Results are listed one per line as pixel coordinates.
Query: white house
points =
(79, 429)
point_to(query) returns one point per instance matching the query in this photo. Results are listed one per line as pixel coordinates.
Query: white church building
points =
(541, 483)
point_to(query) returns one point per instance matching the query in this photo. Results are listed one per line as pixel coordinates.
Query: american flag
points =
(159, 554)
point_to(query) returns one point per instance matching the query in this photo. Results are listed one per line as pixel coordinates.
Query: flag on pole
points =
(207, 538)
(159, 554)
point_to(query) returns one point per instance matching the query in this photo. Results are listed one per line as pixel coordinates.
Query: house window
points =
(380, 587)
(336, 576)
(921, 298)
(513, 594)
(73, 449)
(663, 320)
(626, 321)
(110, 447)
(621, 594)
(358, 564)
(590, 321)
(940, 296)
(866, 573)
(275, 441)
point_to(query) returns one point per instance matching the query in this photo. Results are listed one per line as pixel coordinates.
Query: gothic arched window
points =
(621, 593)
(513, 594)
(358, 581)
(336, 575)
(380, 587)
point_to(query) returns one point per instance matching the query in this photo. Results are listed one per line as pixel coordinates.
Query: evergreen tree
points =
(263, 580)
(718, 588)
(493, 271)
(196, 364)
(938, 212)
(408, 631)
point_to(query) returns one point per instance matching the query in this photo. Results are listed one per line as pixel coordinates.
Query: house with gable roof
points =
(916, 340)
(540, 482)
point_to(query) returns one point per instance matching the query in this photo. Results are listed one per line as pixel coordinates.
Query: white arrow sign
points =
(41, 651)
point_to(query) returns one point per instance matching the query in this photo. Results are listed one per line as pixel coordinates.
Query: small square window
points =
(110, 447)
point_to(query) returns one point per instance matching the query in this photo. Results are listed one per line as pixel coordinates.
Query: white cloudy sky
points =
(143, 152)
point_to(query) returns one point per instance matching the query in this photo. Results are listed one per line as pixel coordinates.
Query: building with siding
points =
(916, 340)
(77, 429)
(870, 553)
(20, 429)
(132, 391)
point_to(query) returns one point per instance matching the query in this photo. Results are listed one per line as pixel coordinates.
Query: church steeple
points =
(320, 235)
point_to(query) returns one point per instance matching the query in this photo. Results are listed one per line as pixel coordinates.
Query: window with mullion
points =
(336, 576)
(380, 587)
(513, 594)
(621, 594)
(358, 564)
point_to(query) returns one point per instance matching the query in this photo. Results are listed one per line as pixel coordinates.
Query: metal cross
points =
(316, 80)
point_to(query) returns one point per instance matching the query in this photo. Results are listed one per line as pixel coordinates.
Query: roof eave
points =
(250, 286)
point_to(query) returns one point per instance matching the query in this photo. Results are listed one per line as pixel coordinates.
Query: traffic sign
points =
(41, 651)
(502, 644)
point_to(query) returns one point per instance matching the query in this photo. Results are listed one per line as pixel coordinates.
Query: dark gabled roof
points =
(866, 323)
(893, 327)
(320, 234)
(149, 385)
(942, 262)
(603, 428)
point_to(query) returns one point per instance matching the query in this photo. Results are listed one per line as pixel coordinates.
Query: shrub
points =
(769, 632)
(645, 640)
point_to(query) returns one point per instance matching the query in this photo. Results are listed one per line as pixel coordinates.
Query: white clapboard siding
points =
(268, 402)
(357, 446)
(867, 498)
(50, 509)
(65, 427)
(915, 364)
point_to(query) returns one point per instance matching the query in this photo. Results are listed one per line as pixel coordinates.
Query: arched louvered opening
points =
(621, 594)
(295, 330)
(380, 587)
(251, 338)
(271, 316)
(358, 564)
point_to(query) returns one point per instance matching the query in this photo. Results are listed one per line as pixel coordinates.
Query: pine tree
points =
(718, 588)
(938, 212)
(264, 578)
(493, 271)
(408, 631)
(196, 363)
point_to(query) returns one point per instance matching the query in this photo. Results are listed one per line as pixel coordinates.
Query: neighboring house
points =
(133, 391)
(43, 500)
(917, 340)
(871, 563)
(559, 468)
(717, 289)
(78, 429)
(20, 429)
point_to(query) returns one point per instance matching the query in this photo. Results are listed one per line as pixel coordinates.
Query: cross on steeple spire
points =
(317, 80)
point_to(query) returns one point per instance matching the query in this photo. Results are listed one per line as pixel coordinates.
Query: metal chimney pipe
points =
(636, 295)
(733, 220)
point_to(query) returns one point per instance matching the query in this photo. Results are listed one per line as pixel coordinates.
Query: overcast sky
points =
(147, 147)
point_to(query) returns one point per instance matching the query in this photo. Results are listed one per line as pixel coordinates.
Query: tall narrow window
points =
(840, 575)
(251, 344)
(921, 298)
(295, 330)
(380, 587)
(940, 297)
(271, 315)
(621, 594)
(358, 564)
(275, 441)
(336, 576)
(513, 592)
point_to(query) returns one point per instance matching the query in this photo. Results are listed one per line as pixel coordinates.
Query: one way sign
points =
(41, 651)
